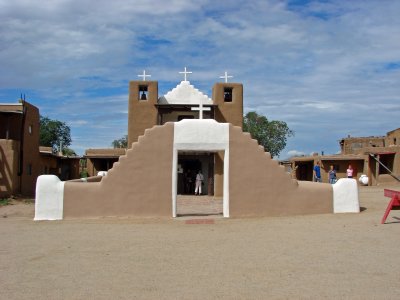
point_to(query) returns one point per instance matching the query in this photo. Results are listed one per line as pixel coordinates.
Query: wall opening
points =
(187, 203)
(143, 92)
(228, 94)
(304, 170)
(387, 160)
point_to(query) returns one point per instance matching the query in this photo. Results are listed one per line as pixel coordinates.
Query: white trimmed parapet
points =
(49, 199)
(345, 196)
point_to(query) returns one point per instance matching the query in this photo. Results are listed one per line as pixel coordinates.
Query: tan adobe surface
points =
(140, 183)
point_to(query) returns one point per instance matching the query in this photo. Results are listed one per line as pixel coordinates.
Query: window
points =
(30, 129)
(228, 94)
(143, 92)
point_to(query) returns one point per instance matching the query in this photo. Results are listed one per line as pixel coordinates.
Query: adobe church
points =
(147, 109)
(173, 136)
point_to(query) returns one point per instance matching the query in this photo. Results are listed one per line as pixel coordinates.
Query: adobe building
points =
(98, 160)
(147, 109)
(378, 157)
(21, 160)
(175, 135)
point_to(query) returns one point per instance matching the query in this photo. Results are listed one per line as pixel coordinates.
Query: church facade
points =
(148, 109)
(172, 137)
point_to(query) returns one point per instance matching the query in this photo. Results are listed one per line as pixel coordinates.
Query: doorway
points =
(189, 204)
(189, 163)
(304, 170)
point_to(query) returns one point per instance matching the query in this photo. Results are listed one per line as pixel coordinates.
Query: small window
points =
(394, 141)
(228, 94)
(30, 129)
(143, 92)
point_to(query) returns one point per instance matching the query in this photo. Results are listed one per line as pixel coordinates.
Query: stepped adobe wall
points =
(143, 182)
(259, 186)
(139, 184)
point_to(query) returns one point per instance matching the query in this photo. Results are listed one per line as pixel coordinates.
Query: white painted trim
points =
(201, 135)
(345, 196)
(49, 200)
(185, 93)
(225, 200)
(174, 181)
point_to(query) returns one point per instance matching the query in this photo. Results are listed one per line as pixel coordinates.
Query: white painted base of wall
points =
(345, 196)
(49, 201)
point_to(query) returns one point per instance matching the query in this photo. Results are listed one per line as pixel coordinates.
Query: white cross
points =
(226, 77)
(185, 73)
(144, 75)
(201, 109)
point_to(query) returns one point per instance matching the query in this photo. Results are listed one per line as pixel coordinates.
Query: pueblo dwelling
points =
(377, 157)
(173, 136)
(21, 158)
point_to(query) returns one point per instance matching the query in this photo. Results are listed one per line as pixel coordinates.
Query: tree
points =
(121, 143)
(68, 152)
(52, 132)
(272, 135)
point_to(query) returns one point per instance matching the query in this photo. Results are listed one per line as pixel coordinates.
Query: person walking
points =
(332, 175)
(317, 172)
(350, 171)
(199, 183)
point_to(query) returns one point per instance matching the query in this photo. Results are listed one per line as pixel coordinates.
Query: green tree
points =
(68, 152)
(52, 132)
(121, 143)
(272, 135)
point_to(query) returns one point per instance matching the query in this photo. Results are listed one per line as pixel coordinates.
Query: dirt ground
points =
(346, 256)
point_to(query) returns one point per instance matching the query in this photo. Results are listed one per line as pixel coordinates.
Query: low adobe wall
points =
(260, 187)
(139, 184)
(143, 182)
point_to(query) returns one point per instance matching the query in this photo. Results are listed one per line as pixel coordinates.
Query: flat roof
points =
(101, 156)
(11, 107)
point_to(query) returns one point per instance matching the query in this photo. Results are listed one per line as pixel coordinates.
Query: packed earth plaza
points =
(181, 132)
(319, 256)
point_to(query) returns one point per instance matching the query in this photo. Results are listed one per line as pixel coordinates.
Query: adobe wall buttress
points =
(260, 187)
(139, 184)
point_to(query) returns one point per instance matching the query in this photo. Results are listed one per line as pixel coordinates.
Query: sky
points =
(329, 69)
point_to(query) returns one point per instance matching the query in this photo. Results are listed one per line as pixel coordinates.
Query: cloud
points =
(292, 153)
(327, 68)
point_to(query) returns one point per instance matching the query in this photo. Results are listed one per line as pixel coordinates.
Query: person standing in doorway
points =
(332, 175)
(317, 172)
(199, 183)
(350, 171)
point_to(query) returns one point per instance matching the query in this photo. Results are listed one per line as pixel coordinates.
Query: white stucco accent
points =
(185, 93)
(206, 134)
(201, 135)
(49, 199)
(345, 196)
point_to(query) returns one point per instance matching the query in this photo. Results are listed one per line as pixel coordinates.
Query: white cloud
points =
(322, 67)
(292, 153)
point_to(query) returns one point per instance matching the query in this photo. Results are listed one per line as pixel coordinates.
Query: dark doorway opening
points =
(387, 160)
(187, 170)
(304, 170)
(188, 204)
